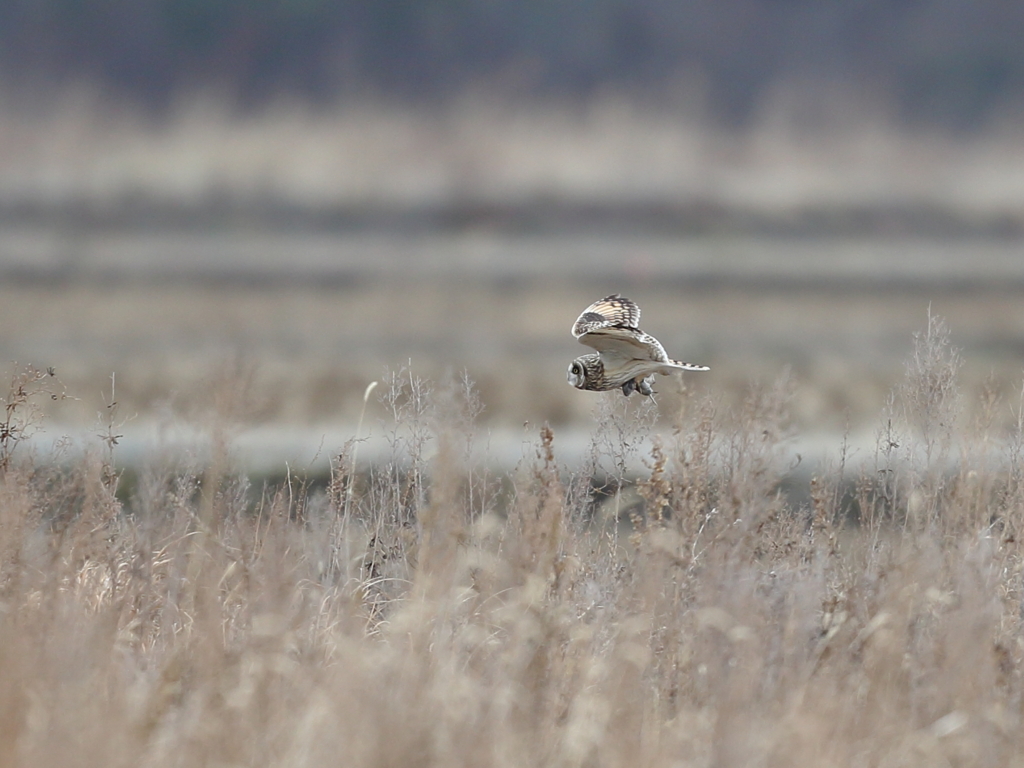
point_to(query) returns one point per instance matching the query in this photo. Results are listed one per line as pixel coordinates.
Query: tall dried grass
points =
(425, 612)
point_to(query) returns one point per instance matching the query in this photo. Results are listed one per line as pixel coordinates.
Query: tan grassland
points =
(430, 613)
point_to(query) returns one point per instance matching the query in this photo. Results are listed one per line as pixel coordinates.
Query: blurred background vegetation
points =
(955, 64)
(325, 189)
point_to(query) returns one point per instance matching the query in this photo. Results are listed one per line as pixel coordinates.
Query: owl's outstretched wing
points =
(612, 310)
(611, 327)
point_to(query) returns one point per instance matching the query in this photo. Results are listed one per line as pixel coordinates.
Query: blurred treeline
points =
(958, 64)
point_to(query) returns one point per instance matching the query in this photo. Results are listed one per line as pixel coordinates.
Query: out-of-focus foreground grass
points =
(427, 612)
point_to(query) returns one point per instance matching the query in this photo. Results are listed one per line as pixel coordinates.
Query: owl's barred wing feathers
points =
(610, 326)
(611, 311)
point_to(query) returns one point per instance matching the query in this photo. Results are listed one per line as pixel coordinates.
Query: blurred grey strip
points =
(272, 258)
(276, 450)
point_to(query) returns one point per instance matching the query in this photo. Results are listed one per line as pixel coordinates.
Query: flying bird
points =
(626, 358)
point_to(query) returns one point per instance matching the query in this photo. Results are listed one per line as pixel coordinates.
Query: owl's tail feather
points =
(678, 366)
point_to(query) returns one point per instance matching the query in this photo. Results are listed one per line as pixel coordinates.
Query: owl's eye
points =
(576, 368)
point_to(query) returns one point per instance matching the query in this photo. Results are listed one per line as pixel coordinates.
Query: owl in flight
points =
(626, 358)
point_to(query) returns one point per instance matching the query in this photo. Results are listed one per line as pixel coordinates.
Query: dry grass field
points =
(431, 612)
(474, 563)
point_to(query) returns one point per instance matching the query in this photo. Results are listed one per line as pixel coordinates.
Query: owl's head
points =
(581, 372)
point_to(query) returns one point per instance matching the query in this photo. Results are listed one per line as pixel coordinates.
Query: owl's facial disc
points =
(576, 374)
